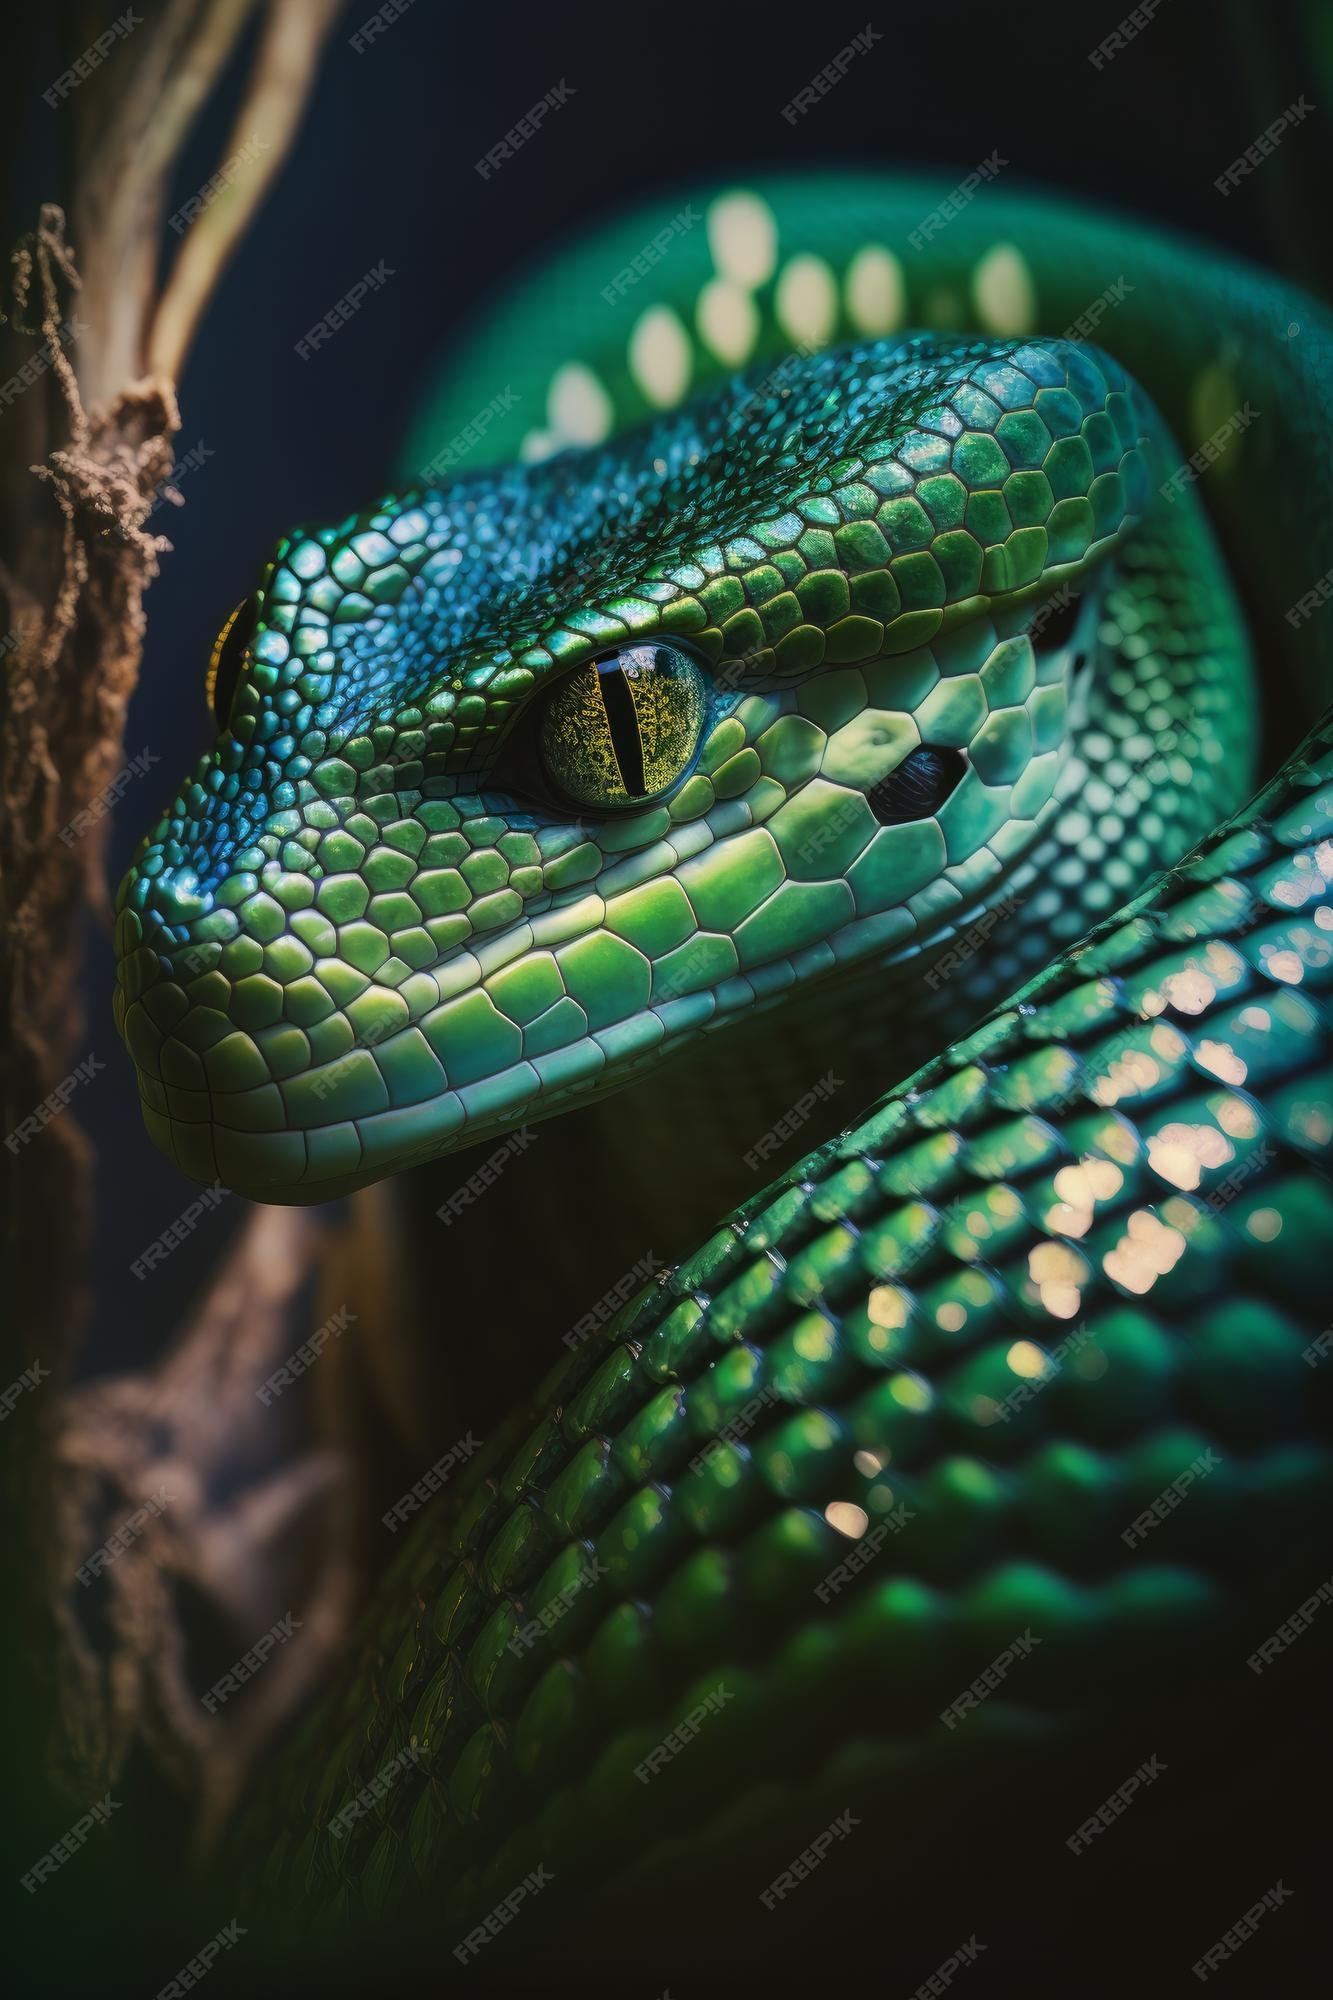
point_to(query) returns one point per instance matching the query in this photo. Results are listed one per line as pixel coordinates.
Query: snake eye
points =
(622, 729)
(227, 658)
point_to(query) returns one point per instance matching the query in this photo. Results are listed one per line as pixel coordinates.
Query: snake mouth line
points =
(411, 1083)
(286, 1166)
(334, 966)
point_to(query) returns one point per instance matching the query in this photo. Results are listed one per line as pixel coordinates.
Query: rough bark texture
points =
(88, 365)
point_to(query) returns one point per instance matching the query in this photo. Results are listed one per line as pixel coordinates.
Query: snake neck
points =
(1162, 744)
(1167, 742)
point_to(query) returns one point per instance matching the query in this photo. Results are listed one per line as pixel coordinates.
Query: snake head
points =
(525, 782)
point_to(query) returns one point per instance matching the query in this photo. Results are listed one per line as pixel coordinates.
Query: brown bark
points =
(90, 356)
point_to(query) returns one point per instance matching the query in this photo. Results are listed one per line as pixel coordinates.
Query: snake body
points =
(956, 669)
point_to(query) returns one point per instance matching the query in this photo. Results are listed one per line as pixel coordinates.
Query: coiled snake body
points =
(800, 689)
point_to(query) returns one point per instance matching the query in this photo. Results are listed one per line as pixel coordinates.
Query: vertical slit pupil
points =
(623, 722)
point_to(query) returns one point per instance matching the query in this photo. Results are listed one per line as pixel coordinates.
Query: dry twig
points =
(84, 448)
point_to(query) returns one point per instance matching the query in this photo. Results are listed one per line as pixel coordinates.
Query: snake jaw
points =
(349, 947)
(597, 971)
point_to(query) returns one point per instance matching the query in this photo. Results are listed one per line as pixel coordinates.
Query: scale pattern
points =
(905, 1404)
(347, 947)
(1118, 1161)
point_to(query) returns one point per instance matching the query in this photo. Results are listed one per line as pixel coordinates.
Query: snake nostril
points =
(918, 786)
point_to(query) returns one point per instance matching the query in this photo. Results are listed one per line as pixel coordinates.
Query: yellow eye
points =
(227, 658)
(623, 729)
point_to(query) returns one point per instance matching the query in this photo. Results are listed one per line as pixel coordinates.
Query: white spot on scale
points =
(874, 290)
(1003, 292)
(578, 408)
(728, 320)
(660, 357)
(743, 238)
(807, 301)
(1214, 400)
(847, 1518)
(538, 445)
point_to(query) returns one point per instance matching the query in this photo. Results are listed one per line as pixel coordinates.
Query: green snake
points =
(804, 617)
